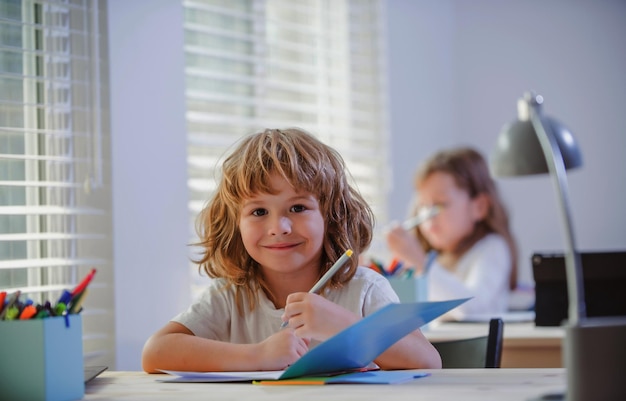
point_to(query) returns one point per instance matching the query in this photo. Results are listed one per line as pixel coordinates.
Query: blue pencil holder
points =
(413, 289)
(42, 359)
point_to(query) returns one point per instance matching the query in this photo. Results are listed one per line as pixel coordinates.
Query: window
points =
(318, 65)
(55, 202)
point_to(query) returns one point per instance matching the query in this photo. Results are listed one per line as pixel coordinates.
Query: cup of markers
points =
(41, 352)
(409, 287)
(70, 302)
(394, 269)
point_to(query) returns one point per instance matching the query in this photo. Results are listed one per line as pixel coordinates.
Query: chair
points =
(478, 352)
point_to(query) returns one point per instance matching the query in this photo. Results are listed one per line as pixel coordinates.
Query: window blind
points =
(55, 201)
(315, 64)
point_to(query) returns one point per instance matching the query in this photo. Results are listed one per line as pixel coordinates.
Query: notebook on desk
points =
(349, 351)
(604, 275)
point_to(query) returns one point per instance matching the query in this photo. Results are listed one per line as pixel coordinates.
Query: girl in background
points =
(476, 253)
(282, 214)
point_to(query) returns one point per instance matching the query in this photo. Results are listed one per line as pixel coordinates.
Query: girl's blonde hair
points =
(471, 173)
(308, 165)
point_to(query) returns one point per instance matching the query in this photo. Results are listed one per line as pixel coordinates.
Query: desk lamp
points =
(594, 352)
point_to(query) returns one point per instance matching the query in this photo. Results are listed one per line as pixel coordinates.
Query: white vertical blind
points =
(55, 201)
(315, 64)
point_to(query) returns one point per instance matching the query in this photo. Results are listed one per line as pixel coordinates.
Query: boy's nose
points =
(280, 226)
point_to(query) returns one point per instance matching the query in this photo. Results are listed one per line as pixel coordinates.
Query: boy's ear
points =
(480, 207)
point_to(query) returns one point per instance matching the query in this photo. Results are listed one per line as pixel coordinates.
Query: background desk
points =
(525, 345)
(447, 384)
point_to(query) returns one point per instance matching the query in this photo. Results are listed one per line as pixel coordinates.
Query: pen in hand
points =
(331, 272)
(422, 216)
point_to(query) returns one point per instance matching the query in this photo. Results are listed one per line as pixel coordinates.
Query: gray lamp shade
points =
(518, 151)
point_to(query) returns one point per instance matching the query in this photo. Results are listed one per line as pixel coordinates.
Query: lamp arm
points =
(573, 265)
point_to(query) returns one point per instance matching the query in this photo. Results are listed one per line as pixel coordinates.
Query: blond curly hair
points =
(308, 165)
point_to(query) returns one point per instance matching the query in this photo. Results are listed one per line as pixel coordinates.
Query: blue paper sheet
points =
(351, 349)
(376, 377)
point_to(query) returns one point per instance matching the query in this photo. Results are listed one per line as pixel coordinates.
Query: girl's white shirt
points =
(214, 314)
(481, 273)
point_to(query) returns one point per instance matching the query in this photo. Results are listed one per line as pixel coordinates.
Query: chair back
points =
(494, 343)
(477, 352)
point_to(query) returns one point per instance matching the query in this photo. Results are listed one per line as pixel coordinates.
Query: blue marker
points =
(65, 298)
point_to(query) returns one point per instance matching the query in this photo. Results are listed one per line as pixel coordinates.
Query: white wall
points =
(150, 218)
(457, 69)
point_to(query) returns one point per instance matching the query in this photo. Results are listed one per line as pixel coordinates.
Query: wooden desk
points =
(525, 345)
(446, 384)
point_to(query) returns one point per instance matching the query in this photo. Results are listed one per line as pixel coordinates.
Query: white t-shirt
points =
(214, 315)
(482, 273)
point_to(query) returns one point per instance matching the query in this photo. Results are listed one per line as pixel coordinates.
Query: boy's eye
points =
(298, 208)
(259, 212)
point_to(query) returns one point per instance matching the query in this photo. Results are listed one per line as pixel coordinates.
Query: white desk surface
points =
(446, 384)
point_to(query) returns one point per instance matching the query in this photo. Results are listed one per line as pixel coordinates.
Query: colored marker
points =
(83, 284)
(65, 297)
(48, 307)
(59, 309)
(394, 267)
(12, 313)
(28, 312)
(14, 298)
(78, 301)
(377, 267)
(42, 314)
(408, 273)
(327, 276)
(3, 296)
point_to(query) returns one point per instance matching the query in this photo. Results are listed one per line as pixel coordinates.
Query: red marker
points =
(28, 312)
(3, 295)
(83, 284)
(393, 267)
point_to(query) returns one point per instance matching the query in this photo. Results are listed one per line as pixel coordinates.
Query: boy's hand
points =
(313, 316)
(281, 349)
